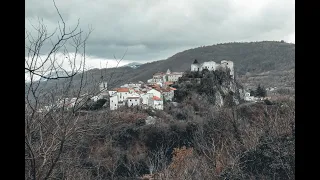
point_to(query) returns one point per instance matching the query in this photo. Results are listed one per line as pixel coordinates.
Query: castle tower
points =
(168, 71)
(230, 65)
(195, 65)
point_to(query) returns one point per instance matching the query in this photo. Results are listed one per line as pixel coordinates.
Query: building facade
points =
(212, 66)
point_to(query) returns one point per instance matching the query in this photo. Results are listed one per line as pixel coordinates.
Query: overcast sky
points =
(157, 29)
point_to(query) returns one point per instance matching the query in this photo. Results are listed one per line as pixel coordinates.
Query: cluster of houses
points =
(156, 90)
(146, 95)
(160, 77)
(153, 93)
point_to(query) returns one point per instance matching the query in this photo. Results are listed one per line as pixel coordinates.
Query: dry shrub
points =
(180, 161)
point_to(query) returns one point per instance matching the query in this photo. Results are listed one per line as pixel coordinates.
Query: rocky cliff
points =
(218, 86)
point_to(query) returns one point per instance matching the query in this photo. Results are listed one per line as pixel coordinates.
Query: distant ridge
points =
(274, 57)
(133, 65)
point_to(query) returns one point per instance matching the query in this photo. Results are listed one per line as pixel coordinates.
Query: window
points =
(112, 101)
(136, 100)
(130, 100)
(115, 105)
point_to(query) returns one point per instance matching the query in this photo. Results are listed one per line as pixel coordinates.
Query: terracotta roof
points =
(168, 83)
(171, 88)
(139, 92)
(123, 90)
(156, 86)
(164, 90)
(156, 98)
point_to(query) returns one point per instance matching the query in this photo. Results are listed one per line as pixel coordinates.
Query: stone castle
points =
(212, 66)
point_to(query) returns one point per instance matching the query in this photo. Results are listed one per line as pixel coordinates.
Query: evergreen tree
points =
(260, 92)
(252, 93)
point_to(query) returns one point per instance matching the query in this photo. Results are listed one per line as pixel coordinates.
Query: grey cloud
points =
(153, 29)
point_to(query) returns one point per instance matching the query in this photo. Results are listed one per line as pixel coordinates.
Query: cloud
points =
(61, 62)
(152, 29)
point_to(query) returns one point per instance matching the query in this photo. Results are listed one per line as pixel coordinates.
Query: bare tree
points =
(50, 123)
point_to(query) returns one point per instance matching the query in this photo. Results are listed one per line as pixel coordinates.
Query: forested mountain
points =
(275, 58)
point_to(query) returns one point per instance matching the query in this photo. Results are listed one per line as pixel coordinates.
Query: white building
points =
(212, 66)
(174, 77)
(248, 97)
(168, 93)
(113, 102)
(133, 101)
(157, 103)
(161, 77)
(158, 77)
(122, 94)
(145, 98)
(154, 93)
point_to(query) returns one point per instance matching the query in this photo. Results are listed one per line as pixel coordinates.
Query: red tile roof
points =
(123, 90)
(156, 98)
(165, 90)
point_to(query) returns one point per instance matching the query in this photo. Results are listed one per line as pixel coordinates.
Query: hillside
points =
(208, 133)
(254, 57)
(250, 59)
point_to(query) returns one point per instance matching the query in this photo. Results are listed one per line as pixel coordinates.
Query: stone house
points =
(157, 103)
(122, 94)
(114, 102)
(212, 66)
(155, 92)
(133, 101)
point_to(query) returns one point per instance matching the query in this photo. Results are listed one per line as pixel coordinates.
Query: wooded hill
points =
(250, 58)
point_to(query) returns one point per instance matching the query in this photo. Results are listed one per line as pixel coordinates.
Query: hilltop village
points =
(158, 89)
(146, 95)
(154, 92)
